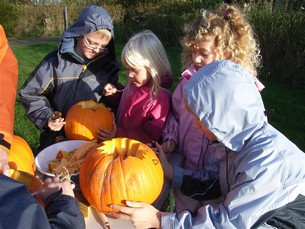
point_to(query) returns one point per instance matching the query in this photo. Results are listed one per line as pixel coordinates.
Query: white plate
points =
(48, 154)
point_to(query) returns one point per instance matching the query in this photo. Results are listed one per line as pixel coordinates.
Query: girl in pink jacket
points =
(145, 103)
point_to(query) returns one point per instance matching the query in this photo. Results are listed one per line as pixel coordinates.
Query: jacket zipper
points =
(85, 66)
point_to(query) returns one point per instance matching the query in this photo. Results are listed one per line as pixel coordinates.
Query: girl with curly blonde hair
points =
(231, 34)
(224, 33)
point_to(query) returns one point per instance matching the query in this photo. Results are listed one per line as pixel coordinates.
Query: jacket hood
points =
(224, 97)
(92, 18)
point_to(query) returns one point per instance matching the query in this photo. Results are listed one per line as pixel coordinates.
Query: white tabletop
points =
(94, 222)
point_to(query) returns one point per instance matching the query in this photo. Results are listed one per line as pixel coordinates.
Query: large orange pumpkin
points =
(120, 169)
(21, 156)
(85, 118)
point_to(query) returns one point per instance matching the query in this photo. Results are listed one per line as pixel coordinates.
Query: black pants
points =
(292, 215)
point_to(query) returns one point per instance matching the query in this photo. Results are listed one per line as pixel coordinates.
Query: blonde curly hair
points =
(234, 37)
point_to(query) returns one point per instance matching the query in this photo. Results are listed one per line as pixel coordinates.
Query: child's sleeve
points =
(63, 210)
(171, 128)
(8, 88)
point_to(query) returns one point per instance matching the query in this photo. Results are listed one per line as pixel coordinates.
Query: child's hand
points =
(4, 166)
(168, 146)
(167, 167)
(142, 215)
(104, 134)
(109, 89)
(56, 124)
(54, 184)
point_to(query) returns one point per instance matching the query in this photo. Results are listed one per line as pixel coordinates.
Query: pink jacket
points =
(180, 128)
(190, 141)
(141, 118)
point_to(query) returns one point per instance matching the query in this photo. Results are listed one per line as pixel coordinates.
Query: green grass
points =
(287, 103)
(29, 56)
(289, 109)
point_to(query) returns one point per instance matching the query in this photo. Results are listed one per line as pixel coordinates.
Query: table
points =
(94, 222)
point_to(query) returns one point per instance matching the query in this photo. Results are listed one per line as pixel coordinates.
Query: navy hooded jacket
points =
(18, 209)
(63, 78)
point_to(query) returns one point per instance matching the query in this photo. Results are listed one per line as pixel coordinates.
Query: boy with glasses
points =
(84, 62)
(57, 195)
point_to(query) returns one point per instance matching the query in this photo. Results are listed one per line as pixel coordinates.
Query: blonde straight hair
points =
(102, 34)
(146, 50)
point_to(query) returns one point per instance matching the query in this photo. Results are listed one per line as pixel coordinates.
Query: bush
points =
(41, 22)
(8, 17)
(166, 19)
(281, 35)
(279, 28)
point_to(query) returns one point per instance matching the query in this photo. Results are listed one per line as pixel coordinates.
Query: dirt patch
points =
(33, 41)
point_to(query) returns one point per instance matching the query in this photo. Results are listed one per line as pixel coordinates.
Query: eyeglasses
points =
(94, 46)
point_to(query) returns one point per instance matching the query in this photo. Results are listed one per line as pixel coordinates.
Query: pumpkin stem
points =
(90, 104)
(123, 155)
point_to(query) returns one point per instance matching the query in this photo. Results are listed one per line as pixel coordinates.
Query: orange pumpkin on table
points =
(21, 156)
(85, 118)
(120, 169)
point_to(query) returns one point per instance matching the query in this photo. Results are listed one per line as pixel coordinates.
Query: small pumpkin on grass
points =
(21, 156)
(120, 169)
(85, 118)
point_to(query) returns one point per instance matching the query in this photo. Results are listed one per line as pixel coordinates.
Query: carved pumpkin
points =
(120, 169)
(21, 156)
(85, 118)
